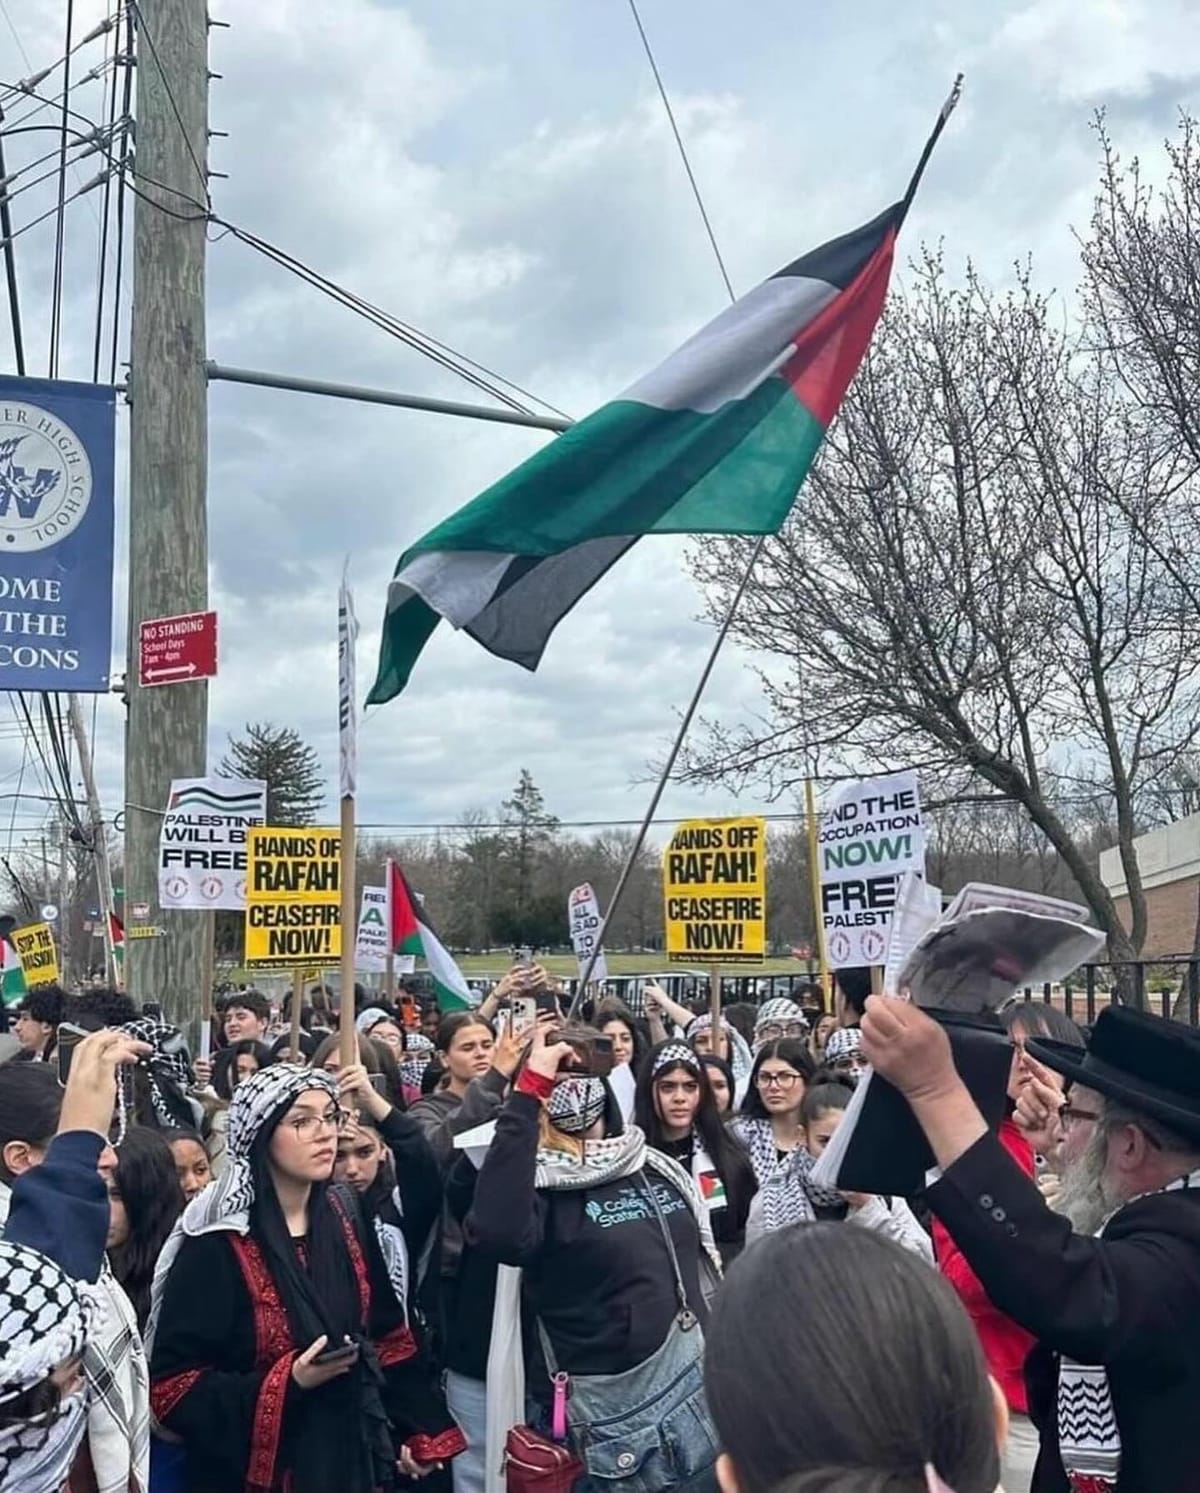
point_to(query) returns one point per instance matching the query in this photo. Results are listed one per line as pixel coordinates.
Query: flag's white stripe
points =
(458, 591)
(733, 354)
(441, 966)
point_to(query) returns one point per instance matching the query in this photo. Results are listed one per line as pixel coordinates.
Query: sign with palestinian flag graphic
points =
(202, 844)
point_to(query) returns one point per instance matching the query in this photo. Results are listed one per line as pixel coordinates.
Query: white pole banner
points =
(583, 918)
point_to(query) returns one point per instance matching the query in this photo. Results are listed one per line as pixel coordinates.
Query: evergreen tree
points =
(290, 768)
(529, 828)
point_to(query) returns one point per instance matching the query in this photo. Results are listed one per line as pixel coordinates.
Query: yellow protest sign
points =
(293, 897)
(715, 892)
(39, 959)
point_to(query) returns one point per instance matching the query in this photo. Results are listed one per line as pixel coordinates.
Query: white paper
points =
(829, 1164)
(624, 1086)
(476, 1142)
(977, 895)
(918, 907)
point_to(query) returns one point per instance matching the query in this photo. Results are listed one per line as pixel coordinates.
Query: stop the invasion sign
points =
(870, 834)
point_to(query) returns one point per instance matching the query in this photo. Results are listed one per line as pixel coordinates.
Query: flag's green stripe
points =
(634, 469)
(412, 944)
(629, 469)
(449, 1000)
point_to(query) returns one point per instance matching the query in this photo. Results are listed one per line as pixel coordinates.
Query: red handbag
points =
(535, 1464)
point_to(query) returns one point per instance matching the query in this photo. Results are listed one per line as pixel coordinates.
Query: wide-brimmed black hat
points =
(1148, 1063)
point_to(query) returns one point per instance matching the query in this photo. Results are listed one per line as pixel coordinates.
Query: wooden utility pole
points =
(104, 886)
(168, 452)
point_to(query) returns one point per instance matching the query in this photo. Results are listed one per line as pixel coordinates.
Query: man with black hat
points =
(1115, 1304)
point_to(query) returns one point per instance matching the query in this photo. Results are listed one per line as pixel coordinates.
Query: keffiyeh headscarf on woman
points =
(225, 1204)
(741, 1059)
(45, 1319)
(369, 1018)
(782, 1013)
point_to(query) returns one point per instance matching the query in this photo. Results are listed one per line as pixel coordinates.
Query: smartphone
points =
(338, 1354)
(379, 1084)
(524, 1014)
(546, 1002)
(593, 1055)
(69, 1038)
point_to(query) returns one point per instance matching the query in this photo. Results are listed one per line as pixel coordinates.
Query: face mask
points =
(576, 1104)
(37, 1457)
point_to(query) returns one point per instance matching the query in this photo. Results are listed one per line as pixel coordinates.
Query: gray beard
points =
(1083, 1197)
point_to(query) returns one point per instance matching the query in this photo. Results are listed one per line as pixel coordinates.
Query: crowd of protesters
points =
(589, 1251)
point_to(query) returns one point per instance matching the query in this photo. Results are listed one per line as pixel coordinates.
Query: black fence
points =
(1167, 986)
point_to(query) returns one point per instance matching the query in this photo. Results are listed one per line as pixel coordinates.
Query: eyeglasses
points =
(1070, 1115)
(306, 1126)
(777, 1080)
(774, 1030)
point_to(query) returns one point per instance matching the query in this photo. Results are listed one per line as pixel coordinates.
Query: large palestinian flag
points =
(411, 933)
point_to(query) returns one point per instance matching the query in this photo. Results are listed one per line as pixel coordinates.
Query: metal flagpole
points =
(627, 870)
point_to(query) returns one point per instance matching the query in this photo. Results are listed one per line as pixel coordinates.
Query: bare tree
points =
(977, 579)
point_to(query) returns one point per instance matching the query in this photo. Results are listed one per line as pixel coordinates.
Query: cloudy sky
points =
(502, 176)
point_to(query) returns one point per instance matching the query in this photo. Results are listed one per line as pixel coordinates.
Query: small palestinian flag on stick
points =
(717, 440)
(411, 933)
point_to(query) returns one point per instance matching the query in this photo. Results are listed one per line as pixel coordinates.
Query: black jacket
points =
(1129, 1301)
(597, 1270)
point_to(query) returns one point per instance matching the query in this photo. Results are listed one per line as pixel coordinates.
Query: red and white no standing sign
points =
(177, 650)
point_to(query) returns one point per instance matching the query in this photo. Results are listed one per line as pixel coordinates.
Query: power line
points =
(144, 29)
(683, 155)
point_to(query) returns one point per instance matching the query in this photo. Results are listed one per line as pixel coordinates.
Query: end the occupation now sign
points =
(869, 835)
(715, 892)
(293, 898)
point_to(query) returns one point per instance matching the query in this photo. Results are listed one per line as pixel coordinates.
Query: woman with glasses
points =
(769, 1123)
(275, 1318)
(779, 1018)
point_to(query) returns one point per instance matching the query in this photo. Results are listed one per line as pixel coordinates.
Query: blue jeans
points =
(467, 1402)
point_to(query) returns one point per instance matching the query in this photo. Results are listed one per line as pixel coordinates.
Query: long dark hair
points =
(612, 1010)
(791, 1050)
(224, 1064)
(30, 1103)
(907, 1385)
(376, 1057)
(148, 1185)
(725, 1151)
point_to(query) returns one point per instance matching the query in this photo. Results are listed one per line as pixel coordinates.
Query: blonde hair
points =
(551, 1138)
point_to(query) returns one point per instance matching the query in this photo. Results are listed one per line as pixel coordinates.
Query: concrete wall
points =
(1169, 860)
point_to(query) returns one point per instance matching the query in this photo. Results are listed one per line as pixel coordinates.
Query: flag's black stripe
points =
(537, 592)
(841, 259)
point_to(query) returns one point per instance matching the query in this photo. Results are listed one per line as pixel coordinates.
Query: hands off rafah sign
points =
(870, 834)
(202, 842)
(293, 898)
(715, 892)
(56, 535)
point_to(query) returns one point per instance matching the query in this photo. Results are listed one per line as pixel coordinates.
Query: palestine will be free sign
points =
(869, 835)
(715, 891)
(293, 897)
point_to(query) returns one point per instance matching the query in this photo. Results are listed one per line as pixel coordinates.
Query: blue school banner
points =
(56, 535)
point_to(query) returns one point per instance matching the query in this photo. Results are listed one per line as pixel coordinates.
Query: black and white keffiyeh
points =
(789, 1195)
(45, 1319)
(741, 1059)
(843, 1042)
(676, 1055)
(1089, 1439)
(577, 1103)
(418, 1054)
(779, 1011)
(168, 1062)
(369, 1018)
